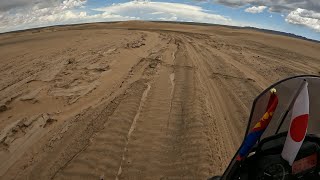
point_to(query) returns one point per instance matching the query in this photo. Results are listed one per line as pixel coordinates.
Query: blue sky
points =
(301, 18)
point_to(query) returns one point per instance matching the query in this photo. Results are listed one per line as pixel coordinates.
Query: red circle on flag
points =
(298, 127)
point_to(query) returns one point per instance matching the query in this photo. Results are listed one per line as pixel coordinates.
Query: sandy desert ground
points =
(134, 100)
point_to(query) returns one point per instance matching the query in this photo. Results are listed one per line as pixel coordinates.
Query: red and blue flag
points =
(259, 128)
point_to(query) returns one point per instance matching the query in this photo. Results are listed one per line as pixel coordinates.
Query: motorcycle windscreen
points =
(287, 91)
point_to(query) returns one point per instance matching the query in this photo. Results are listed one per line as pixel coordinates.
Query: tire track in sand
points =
(133, 126)
(169, 147)
(227, 110)
(217, 108)
(103, 155)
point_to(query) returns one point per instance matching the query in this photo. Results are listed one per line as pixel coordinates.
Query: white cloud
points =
(301, 12)
(68, 4)
(157, 13)
(304, 17)
(255, 9)
(165, 11)
(37, 16)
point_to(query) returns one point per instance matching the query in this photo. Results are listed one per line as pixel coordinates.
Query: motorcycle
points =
(282, 139)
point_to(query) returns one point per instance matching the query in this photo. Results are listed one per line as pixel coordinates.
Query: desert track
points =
(134, 100)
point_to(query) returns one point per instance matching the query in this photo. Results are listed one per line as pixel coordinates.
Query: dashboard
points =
(274, 168)
(266, 163)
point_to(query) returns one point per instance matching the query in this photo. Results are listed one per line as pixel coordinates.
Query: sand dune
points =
(134, 100)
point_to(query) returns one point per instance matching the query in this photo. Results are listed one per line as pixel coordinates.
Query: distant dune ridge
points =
(141, 100)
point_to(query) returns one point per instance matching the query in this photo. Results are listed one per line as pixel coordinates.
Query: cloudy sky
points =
(301, 17)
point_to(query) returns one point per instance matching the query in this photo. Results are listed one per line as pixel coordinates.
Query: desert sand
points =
(134, 100)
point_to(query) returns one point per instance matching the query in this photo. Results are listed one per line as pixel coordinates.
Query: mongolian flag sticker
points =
(260, 127)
